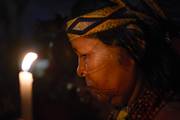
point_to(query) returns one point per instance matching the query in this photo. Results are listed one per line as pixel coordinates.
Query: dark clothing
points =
(150, 105)
(171, 111)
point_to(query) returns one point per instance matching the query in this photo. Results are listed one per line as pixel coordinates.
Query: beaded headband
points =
(125, 15)
(107, 18)
(97, 21)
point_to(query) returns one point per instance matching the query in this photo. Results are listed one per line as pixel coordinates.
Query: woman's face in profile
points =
(108, 70)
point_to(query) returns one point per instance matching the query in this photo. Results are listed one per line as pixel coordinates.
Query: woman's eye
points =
(84, 56)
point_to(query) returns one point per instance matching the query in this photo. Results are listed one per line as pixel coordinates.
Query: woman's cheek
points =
(89, 65)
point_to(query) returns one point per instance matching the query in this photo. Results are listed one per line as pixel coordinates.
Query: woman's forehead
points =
(84, 42)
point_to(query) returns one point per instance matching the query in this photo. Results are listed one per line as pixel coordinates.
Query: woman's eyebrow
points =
(75, 50)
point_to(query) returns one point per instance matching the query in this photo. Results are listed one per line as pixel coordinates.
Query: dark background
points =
(37, 25)
(58, 94)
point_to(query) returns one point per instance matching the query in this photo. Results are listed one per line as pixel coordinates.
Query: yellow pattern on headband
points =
(87, 21)
(104, 12)
(103, 19)
(108, 24)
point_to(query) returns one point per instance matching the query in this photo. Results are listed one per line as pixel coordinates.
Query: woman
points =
(124, 53)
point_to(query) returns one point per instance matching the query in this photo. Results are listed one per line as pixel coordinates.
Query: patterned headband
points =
(108, 18)
(97, 21)
(125, 16)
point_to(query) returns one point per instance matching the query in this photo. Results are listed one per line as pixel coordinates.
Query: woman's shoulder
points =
(171, 111)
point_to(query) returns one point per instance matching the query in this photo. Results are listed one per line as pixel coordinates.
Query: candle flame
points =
(28, 60)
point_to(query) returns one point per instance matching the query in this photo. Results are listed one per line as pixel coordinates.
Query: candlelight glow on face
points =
(28, 60)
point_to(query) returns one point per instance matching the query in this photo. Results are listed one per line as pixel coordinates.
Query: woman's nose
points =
(81, 70)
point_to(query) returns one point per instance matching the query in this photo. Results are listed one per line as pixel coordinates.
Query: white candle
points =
(26, 81)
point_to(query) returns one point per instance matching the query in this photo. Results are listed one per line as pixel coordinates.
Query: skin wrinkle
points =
(122, 59)
(108, 69)
(135, 76)
(97, 68)
(101, 66)
(110, 56)
(85, 61)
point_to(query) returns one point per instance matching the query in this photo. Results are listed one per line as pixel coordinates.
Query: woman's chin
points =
(103, 98)
(100, 97)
